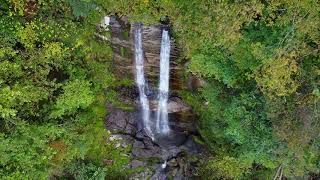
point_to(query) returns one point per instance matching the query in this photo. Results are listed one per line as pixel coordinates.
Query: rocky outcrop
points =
(175, 104)
(171, 156)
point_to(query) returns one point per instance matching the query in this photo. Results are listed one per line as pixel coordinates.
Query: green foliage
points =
(213, 62)
(277, 76)
(229, 167)
(9, 70)
(69, 102)
(25, 152)
(81, 8)
(27, 36)
(83, 171)
(18, 6)
(52, 105)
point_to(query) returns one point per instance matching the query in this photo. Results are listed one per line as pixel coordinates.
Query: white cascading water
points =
(141, 82)
(162, 124)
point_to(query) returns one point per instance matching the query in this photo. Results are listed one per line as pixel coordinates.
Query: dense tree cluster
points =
(258, 110)
(53, 73)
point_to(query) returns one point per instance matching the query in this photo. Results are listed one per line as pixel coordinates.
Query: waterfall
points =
(141, 82)
(162, 124)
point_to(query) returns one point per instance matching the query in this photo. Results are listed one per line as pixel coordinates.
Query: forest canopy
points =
(258, 110)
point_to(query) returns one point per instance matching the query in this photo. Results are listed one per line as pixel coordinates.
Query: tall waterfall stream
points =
(162, 112)
(141, 83)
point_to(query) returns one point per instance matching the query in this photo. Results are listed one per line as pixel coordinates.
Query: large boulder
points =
(122, 122)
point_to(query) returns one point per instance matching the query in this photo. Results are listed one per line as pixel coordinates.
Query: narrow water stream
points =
(162, 112)
(141, 82)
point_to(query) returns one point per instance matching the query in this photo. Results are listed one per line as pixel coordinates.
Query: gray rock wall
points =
(122, 34)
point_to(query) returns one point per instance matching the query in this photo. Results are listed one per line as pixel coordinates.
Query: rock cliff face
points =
(122, 41)
(169, 157)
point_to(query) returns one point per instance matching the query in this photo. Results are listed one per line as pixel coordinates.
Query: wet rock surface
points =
(175, 150)
(175, 104)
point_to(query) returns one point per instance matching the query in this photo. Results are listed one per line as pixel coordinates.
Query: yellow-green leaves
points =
(277, 76)
(54, 53)
(54, 50)
(229, 167)
(18, 6)
(27, 36)
(7, 51)
(9, 70)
